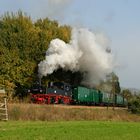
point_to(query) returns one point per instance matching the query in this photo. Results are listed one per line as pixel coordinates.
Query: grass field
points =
(70, 130)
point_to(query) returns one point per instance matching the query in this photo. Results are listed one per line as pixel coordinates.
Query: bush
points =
(134, 106)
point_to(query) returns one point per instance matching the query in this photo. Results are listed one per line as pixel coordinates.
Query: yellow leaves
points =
(23, 44)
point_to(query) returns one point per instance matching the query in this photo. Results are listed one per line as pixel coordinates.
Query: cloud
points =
(86, 53)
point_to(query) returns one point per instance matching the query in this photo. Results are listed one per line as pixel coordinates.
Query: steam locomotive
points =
(54, 93)
(64, 93)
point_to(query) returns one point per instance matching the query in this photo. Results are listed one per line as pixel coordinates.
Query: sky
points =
(119, 20)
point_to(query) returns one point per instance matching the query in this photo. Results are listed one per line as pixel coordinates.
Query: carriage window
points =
(67, 88)
(58, 85)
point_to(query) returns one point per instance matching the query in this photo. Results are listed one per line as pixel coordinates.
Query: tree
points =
(111, 84)
(134, 105)
(127, 94)
(23, 44)
(115, 83)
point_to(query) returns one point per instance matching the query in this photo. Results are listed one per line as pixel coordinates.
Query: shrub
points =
(134, 106)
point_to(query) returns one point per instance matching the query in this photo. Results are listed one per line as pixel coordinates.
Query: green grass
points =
(71, 130)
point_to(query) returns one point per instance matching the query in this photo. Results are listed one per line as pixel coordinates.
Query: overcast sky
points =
(118, 19)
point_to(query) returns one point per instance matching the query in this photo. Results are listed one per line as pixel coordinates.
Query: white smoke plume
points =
(85, 53)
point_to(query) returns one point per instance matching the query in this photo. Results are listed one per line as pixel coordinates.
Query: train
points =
(64, 93)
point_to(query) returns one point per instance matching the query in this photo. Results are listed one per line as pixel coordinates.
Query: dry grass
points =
(68, 113)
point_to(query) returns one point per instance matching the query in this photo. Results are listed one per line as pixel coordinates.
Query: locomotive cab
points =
(59, 88)
(36, 88)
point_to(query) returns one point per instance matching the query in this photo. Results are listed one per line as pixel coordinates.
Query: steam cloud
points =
(86, 52)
